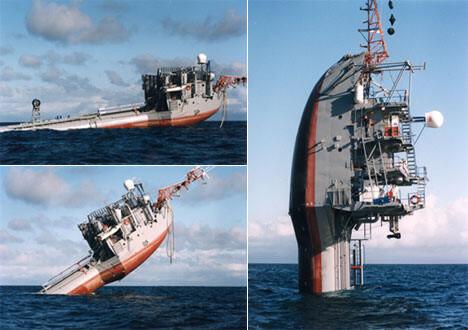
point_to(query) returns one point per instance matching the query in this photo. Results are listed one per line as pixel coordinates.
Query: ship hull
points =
(129, 255)
(135, 118)
(321, 159)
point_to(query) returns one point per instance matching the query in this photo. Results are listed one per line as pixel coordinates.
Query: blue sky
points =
(291, 44)
(42, 206)
(78, 55)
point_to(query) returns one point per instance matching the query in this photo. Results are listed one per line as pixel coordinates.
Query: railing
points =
(339, 197)
(119, 108)
(98, 213)
(384, 97)
(68, 271)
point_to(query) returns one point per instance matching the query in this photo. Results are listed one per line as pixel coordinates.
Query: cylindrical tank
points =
(359, 94)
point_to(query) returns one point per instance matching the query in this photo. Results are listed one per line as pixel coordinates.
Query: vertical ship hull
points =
(322, 159)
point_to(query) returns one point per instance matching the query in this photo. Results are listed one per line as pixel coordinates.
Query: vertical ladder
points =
(421, 187)
(357, 262)
(410, 152)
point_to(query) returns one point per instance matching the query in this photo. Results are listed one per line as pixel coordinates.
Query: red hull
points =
(120, 270)
(183, 121)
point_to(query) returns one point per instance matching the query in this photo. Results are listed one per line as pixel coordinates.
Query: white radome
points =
(434, 119)
(202, 58)
(129, 184)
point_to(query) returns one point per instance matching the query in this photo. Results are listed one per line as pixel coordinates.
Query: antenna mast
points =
(373, 34)
(36, 111)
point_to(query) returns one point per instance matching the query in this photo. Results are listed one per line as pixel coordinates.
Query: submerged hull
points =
(87, 277)
(321, 159)
(128, 118)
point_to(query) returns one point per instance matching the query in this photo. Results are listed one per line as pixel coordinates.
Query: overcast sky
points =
(76, 56)
(288, 57)
(42, 206)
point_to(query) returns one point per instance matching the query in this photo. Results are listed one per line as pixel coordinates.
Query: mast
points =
(373, 34)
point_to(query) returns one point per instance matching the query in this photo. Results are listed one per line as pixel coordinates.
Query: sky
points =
(78, 55)
(291, 44)
(41, 207)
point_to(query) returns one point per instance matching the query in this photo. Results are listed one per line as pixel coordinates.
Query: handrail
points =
(60, 276)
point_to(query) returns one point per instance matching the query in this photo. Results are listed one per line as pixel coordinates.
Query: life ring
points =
(415, 199)
(188, 88)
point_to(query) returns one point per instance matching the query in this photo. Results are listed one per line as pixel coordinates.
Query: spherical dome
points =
(202, 58)
(129, 184)
(434, 119)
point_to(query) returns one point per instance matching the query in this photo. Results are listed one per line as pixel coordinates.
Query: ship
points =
(122, 236)
(354, 161)
(174, 96)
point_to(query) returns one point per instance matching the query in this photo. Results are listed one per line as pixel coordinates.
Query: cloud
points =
(230, 25)
(76, 58)
(50, 239)
(115, 78)
(71, 83)
(205, 237)
(436, 234)
(52, 75)
(6, 91)
(45, 187)
(67, 24)
(30, 61)
(9, 74)
(235, 68)
(217, 187)
(203, 260)
(147, 63)
(5, 50)
(272, 240)
(19, 225)
(206, 267)
(114, 6)
(6, 237)
(60, 100)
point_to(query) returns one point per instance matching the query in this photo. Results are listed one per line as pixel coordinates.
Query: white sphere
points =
(202, 58)
(129, 184)
(434, 119)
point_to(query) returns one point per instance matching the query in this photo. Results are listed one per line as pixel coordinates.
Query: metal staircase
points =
(407, 136)
(421, 185)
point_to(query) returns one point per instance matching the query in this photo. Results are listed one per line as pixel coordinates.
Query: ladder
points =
(407, 137)
(421, 185)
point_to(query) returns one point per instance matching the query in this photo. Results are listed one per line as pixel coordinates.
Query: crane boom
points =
(166, 193)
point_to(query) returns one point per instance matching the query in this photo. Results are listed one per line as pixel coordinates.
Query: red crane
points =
(168, 192)
(227, 81)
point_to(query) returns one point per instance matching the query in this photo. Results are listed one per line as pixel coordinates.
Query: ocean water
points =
(204, 143)
(125, 307)
(393, 297)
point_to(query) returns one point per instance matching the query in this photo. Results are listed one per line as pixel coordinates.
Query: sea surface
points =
(393, 297)
(125, 308)
(204, 143)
